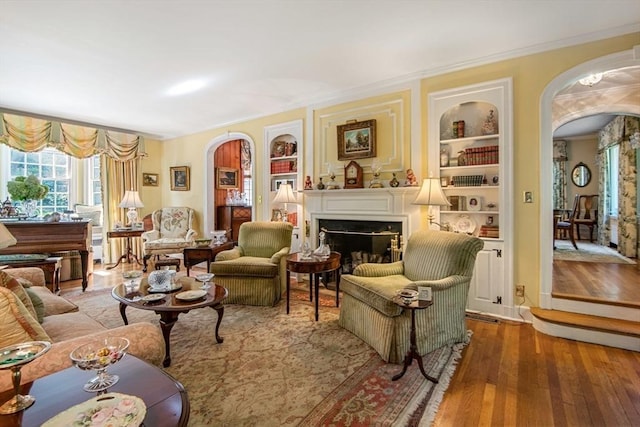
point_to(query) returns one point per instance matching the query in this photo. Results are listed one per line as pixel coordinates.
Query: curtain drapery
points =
(560, 174)
(32, 134)
(620, 131)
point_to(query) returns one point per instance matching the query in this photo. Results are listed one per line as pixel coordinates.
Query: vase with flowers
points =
(28, 190)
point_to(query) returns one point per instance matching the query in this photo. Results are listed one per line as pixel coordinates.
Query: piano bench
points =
(49, 265)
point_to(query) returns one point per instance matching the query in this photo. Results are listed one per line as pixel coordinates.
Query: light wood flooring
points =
(512, 375)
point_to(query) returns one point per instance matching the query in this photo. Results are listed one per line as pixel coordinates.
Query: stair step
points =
(587, 321)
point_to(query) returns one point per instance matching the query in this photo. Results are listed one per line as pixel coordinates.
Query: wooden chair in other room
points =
(587, 214)
(567, 225)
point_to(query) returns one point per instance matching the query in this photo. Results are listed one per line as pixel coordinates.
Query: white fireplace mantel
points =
(365, 204)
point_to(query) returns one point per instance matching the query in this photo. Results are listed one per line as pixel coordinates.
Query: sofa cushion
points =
(16, 323)
(38, 305)
(376, 292)
(62, 327)
(13, 285)
(94, 213)
(54, 304)
(245, 266)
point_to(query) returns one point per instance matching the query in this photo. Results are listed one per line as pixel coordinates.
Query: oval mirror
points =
(581, 175)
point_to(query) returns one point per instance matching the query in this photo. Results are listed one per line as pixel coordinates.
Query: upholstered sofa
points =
(30, 312)
(441, 260)
(255, 271)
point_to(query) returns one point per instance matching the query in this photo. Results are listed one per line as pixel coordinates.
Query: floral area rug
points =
(588, 252)
(275, 369)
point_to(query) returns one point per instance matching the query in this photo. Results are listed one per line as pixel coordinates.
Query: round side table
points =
(413, 347)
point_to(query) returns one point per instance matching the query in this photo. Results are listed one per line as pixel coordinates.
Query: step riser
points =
(594, 309)
(587, 335)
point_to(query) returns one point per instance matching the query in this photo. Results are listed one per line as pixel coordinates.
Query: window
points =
(613, 156)
(95, 187)
(247, 187)
(53, 168)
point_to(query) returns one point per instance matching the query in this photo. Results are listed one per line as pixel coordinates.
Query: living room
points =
(401, 111)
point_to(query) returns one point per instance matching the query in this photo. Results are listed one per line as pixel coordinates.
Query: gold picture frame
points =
(227, 178)
(180, 178)
(357, 140)
(150, 179)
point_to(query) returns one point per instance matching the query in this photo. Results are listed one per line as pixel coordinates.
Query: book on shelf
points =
(458, 203)
(492, 231)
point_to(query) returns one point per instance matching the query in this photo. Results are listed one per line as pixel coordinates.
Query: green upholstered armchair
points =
(254, 272)
(442, 260)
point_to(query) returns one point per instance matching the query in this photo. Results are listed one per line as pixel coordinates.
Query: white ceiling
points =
(111, 62)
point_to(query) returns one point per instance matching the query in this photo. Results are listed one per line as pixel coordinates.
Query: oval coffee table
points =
(169, 308)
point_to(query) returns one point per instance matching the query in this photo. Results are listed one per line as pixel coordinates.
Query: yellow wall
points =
(531, 74)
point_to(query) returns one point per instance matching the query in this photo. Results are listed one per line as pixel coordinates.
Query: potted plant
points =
(28, 190)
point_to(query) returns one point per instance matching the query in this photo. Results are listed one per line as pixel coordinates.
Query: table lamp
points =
(132, 201)
(285, 195)
(431, 194)
(6, 238)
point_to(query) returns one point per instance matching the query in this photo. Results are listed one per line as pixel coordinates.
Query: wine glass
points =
(204, 278)
(98, 355)
(13, 357)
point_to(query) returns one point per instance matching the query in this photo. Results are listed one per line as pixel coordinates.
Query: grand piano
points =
(37, 237)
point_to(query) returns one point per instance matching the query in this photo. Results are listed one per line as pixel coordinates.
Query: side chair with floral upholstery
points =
(441, 260)
(172, 232)
(255, 271)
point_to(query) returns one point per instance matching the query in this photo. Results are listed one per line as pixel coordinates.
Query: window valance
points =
(32, 134)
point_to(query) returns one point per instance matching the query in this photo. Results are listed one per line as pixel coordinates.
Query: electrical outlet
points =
(520, 291)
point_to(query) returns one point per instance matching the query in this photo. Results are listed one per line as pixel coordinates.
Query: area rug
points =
(275, 369)
(588, 252)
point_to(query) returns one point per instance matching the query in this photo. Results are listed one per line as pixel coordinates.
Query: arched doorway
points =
(209, 196)
(548, 124)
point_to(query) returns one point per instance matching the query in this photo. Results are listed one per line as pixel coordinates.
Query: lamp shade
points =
(431, 194)
(6, 238)
(131, 199)
(285, 195)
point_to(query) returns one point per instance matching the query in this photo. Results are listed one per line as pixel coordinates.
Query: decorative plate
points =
(107, 409)
(465, 224)
(153, 297)
(191, 295)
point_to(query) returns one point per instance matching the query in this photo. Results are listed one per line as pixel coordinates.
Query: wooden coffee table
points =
(314, 266)
(197, 254)
(170, 307)
(165, 398)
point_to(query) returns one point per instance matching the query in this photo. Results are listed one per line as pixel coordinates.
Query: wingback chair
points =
(254, 272)
(439, 259)
(172, 232)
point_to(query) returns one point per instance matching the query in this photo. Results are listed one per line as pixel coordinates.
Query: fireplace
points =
(371, 216)
(362, 241)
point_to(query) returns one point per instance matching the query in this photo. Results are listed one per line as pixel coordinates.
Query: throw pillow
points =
(24, 282)
(6, 281)
(38, 304)
(16, 323)
(94, 213)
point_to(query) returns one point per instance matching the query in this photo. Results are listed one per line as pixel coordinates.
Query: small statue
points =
(308, 185)
(394, 181)
(490, 125)
(411, 180)
(320, 185)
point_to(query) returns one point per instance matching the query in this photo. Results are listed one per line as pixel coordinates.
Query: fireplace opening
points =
(362, 241)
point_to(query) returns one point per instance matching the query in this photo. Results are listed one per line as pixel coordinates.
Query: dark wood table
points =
(413, 347)
(170, 307)
(126, 234)
(165, 398)
(197, 254)
(314, 266)
(48, 264)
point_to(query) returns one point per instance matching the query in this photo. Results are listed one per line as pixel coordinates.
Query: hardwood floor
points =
(512, 375)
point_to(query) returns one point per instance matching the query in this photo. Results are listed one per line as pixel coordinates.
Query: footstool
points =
(168, 262)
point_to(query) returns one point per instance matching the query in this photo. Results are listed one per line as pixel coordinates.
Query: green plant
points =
(27, 188)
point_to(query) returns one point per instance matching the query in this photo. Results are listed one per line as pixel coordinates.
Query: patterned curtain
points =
(560, 174)
(620, 131)
(32, 134)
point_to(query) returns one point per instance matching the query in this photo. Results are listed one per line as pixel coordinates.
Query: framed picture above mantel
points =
(357, 140)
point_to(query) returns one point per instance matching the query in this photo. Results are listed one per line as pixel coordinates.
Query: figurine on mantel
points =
(308, 184)
(320, 185)
(394, 181)
(411, 180)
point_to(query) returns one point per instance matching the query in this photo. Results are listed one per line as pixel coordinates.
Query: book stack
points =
(492, 231)
(481, 155)
(458, 203)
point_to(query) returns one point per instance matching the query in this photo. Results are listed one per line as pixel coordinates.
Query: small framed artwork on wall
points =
(180, 179)
(357, 140)
(150, 179)
(226, 178)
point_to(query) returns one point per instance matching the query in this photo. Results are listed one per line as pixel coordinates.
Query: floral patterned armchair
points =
(171, 232)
